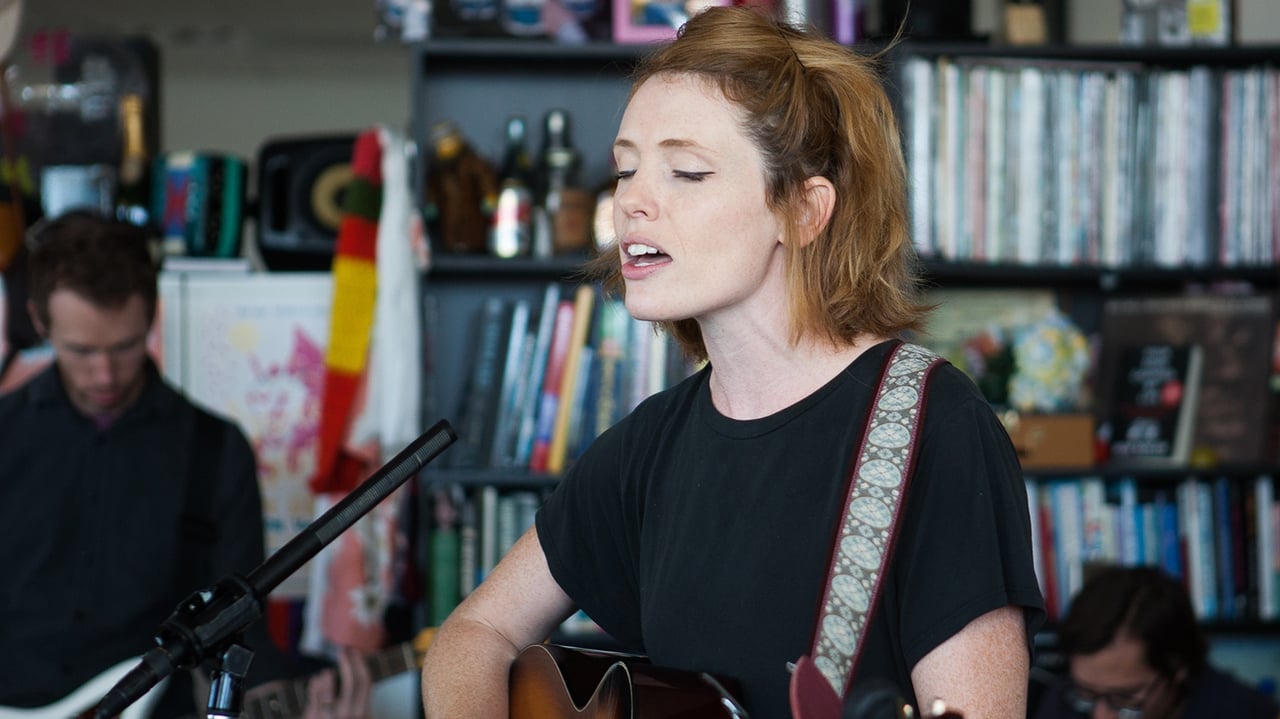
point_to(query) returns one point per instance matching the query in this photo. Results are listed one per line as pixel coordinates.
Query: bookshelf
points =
(457, 294)
(1107, 157)
(479, 83)
(1173, 177)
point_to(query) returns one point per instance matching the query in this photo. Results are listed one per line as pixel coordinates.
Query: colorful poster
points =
(251, 346)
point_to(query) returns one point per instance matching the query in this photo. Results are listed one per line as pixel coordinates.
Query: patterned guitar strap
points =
(881, 472)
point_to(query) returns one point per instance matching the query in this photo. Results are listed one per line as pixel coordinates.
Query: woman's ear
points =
(818, 204)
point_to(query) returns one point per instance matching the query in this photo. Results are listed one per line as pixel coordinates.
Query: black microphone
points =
(211, 618)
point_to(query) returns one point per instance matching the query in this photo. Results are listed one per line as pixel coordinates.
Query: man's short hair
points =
(103, 260)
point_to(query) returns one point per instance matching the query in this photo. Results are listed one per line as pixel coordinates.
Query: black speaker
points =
(927, 19)
(301, 183)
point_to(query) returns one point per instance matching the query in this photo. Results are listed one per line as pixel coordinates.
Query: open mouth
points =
(642, 255)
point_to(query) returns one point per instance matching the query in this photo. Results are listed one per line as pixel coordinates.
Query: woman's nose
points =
(634, 198)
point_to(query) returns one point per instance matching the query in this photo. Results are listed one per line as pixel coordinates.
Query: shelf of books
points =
(1142, 186)
(1093, 157)
(539, 368)
(546, 376)
(1217, 530)
(1187, 417)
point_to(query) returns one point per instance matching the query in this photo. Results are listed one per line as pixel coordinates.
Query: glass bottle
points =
(568, 206)
(133, 191)
(510, 233)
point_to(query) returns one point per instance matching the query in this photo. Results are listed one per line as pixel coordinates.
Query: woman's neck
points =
(760, 378)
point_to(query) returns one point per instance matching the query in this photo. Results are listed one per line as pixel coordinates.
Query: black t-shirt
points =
(704, 541)
(1212, 694)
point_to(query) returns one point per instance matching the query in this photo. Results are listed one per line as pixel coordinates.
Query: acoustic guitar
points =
(549, 681)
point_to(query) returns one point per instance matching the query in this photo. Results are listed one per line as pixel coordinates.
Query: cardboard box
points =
(1024, 24)
(1052, 441)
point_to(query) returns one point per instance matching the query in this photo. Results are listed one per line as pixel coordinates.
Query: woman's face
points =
(696, 236)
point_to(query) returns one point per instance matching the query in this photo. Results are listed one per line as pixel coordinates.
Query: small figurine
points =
(461, 192)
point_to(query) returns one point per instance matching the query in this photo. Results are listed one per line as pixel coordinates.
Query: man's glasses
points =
(1126, 704)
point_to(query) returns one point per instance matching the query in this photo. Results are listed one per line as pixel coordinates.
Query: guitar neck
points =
(278, 700)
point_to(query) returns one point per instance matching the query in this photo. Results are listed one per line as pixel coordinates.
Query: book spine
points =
(468, 547)
(1093, 509)
(488, 500)
(531, 401)
(1168, 530)
(549, 403)
(1037, 538)
(583, 302)
(1048, 532)
(444, 573)
(476, 416)
(1069, 541)
(1130, 517)
(514, 371)
(1222, 544)
(1264, 500)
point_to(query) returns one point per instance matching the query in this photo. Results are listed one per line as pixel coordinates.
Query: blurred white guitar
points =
(87, 696)
(272, 700)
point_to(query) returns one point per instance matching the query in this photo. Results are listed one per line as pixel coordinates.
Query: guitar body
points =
(272, 700)
(554, 682)
(87, 695)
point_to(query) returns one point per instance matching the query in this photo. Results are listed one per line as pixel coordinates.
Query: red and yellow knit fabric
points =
(351, 318)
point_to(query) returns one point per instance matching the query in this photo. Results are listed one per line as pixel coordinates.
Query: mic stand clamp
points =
(208, 619)
(226, 693)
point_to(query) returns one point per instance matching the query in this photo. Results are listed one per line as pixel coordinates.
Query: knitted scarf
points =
(355, 281)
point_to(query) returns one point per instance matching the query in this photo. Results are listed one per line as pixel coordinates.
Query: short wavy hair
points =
(812, 107)
(1145, 604)
(101, 259)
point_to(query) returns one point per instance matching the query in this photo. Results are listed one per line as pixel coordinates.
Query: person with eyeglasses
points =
(1135, 650)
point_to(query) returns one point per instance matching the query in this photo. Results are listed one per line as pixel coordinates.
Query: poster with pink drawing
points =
(251, 346)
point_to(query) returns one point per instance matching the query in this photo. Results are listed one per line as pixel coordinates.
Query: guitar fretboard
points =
(287, 698)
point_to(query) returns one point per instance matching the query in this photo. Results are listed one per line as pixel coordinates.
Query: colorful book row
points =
(1219, 536)
(1093, 164)
(547, 378)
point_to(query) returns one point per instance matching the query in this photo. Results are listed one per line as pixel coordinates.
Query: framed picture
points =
(641, 21)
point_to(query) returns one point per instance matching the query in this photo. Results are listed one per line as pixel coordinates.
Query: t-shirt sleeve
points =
(965, 545)
(589, 528)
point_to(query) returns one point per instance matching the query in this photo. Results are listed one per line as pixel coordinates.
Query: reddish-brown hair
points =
(812, 107)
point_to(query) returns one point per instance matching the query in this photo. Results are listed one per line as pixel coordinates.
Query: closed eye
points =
(692, 176)
(624, 174)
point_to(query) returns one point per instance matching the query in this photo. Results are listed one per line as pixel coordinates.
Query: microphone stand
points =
(210, 621)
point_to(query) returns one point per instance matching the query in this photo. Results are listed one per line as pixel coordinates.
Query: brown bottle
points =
(133, 191)
(568, 205)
